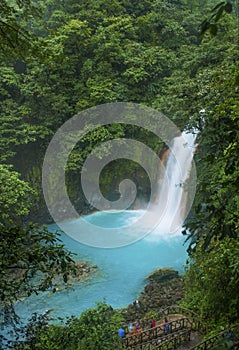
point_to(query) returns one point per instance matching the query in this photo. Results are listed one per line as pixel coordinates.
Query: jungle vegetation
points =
(61, 57)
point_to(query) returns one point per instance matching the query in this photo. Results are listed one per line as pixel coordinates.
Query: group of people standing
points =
(136, 327)
(133, 328)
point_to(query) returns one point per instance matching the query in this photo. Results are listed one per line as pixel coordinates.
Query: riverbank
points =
(83, 271)
(163, 288)
(119, 279)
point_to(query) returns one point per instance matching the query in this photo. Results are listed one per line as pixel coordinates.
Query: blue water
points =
(121, 272)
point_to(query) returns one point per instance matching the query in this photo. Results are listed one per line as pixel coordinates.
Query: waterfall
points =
(173, 196)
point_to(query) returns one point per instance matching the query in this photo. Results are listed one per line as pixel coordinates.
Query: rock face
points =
(83, 270)
(82, 273)
(164, 288)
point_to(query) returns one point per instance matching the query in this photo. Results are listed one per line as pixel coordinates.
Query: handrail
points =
(167, 310)
(157, 332)
(208, 343)
(163, 343)
(176, 339)
(188, 313)
(180, 331)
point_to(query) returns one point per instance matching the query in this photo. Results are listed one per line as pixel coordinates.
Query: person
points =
(229, 335)
(121, 332)
(137, 303)
(153, 324)
(166, 326)
(138, 326)
(131, 327)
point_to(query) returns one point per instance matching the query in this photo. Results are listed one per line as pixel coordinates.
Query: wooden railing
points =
(180, 330)
(173, 341)
(157, 332)
(169, 341)
(176, 309)
(210, 342)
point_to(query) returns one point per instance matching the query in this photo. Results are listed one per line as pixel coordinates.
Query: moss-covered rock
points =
(162, 275)
(163, 288)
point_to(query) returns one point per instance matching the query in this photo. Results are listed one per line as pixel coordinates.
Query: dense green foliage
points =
(79, 54)
(98, 53)
(15, 196)
(211, 283)
(212, 280)
(30, 256)
(15, 38)
(96, 328)
(30, 259)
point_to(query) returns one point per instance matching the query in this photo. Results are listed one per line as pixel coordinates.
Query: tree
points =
(211, 282)
(211, 24)
(31, 257)
(15, 197)
(215, 211)
(96, 328)
(15, 38)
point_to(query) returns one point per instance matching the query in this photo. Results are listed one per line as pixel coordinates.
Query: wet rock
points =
(163, 288)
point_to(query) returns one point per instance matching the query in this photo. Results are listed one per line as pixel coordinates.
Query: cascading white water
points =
(171, 202)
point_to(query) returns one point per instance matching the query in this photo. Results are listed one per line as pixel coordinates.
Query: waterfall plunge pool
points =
(121, 272)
